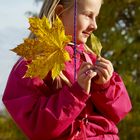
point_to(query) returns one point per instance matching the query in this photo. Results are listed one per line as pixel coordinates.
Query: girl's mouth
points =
(87, 34)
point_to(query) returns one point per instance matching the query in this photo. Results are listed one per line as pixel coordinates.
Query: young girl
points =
(90, 108)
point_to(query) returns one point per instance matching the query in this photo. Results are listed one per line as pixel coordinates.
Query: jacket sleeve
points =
(111, 99)
(38, 115)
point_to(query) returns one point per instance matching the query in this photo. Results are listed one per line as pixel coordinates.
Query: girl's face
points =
(87, 11)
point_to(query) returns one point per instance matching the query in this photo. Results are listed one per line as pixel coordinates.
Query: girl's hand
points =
(85, 74)
(104, 69)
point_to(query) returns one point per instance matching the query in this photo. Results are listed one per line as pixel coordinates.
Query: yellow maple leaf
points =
(47, 50)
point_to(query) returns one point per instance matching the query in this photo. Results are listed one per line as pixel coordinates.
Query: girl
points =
(90, 108)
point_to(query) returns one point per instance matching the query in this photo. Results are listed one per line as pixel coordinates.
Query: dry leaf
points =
(96, 45)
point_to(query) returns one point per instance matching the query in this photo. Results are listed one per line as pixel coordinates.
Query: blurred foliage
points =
(8, 129)
(119, 33)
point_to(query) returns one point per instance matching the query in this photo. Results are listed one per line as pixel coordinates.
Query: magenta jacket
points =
(45, 113)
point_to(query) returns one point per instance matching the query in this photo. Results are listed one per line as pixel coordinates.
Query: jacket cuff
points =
(100, 87)
(79, 93)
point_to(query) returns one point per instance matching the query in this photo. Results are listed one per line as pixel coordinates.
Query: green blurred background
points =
(119, 33)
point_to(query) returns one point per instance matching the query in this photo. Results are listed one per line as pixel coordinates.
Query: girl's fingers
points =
(102, 72)
(99, 73)
(90, 74)
(84, 79)
(102, 64)
(84, 64)
(105, 67)
(85, 67)
(105, 64)
(103, 60)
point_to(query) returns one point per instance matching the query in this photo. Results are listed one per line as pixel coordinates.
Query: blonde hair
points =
(48, 8)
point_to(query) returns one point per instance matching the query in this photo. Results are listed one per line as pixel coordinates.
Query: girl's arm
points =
(39, 112)
(111, 99)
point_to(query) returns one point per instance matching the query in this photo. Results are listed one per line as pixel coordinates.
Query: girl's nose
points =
(93, 24)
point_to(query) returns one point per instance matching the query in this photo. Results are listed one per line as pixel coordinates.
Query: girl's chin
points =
(82, 41)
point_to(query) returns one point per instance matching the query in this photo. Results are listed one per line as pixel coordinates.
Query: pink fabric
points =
(45, 113)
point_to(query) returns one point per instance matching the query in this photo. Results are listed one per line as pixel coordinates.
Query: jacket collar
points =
(79, 47)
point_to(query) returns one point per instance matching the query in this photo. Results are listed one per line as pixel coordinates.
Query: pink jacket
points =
(45, 113)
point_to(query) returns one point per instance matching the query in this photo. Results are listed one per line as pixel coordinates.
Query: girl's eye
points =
(88, 15)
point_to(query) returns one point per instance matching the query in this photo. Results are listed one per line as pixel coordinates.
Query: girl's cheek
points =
(85, 20)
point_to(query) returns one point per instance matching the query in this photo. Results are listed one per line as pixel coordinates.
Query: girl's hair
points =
(48, 8)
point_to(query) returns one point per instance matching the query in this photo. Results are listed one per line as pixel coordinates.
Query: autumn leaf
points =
(47, 50)
(96, 45)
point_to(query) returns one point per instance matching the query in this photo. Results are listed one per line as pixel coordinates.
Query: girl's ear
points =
(59, 10)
